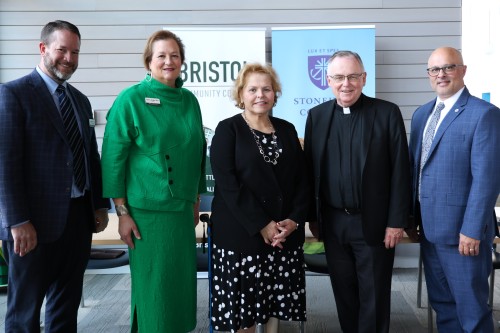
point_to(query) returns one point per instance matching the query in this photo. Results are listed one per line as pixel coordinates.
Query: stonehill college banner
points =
(300, 55)
(214, 56)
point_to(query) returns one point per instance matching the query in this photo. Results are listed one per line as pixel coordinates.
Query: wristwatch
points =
(121, 210)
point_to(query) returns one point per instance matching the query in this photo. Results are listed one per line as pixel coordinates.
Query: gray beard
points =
(54, 71)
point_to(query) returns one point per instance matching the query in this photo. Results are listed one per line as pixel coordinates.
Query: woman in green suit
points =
(153, 161)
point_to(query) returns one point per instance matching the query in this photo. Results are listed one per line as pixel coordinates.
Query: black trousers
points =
(360, 274)
(52, 270)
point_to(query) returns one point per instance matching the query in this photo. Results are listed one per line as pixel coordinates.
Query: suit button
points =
(170, 182)
(167, 157)
(169, 169)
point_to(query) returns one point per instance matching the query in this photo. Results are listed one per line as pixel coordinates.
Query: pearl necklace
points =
(257, 141)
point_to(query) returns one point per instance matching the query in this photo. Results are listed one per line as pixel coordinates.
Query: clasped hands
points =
(275, 233)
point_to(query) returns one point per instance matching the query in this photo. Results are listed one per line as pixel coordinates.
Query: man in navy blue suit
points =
(455, 160)
(49, 207)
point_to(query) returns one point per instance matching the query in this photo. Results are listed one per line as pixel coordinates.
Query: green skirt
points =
(163, 272)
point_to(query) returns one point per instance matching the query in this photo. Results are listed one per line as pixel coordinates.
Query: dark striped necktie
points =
(74, 137)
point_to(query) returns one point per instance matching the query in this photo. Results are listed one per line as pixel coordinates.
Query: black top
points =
(344, 158)
(269, 146)
(385, 167)
(249, 192)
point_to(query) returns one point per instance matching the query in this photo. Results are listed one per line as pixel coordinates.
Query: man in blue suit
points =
(456, 181)
(50, 187)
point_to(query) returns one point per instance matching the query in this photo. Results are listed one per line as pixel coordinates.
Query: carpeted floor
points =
(107, 305)
(110, 313)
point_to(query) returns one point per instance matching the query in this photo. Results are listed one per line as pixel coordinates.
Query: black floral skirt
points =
(249, 289)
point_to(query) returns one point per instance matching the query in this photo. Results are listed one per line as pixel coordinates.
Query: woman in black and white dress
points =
(258, 211)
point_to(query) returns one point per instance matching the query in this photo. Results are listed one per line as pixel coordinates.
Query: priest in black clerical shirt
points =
(357, 155)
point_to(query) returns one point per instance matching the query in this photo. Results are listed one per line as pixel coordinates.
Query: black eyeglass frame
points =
(448, 69)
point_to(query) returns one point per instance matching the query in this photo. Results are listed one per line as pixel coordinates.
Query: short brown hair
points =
(160, 35)
(251, 68)
(47, 31)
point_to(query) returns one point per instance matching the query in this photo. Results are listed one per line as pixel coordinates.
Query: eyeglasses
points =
(434, 71)
(351, 77)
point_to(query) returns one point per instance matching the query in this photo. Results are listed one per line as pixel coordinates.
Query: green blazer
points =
(154, 147)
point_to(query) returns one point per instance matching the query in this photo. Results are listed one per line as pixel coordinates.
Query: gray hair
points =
(346, 54)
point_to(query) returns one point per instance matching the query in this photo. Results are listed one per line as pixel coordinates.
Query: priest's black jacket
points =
(385, 178)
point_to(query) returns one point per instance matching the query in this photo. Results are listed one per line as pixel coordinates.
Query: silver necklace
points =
(267, 159)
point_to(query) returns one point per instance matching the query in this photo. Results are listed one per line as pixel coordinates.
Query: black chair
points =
(206, 203)
(202, 249)
(316, 263)
(103, 258)
(495, 257)
(430, 315)
(106, 257)
(3, 272)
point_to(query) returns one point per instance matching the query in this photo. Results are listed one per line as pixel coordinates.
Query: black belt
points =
(350, 211)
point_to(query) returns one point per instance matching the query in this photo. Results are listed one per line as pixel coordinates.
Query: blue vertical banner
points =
(300, 55)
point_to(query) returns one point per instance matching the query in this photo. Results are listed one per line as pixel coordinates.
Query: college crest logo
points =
(317, 68)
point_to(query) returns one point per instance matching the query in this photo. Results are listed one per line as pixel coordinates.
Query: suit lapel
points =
(322, 130)
(367, 116)
(47, 105)
(454, 112)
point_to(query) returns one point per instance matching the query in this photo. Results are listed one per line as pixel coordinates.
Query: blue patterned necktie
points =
(73, 135)
(428, 137)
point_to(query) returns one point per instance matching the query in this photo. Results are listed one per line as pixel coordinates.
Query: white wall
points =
(114, 34)
(481, 47)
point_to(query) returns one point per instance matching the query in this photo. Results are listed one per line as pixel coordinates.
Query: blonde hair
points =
(242, 78)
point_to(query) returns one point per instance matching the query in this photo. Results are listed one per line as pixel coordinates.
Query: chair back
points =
(206, 203)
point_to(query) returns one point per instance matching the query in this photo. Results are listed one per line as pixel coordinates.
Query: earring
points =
(149, 76)
(241, 105)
